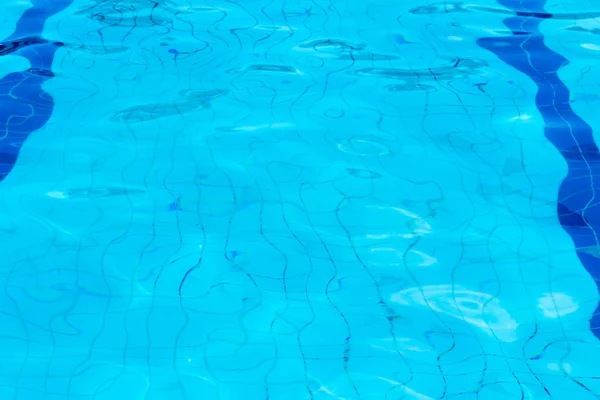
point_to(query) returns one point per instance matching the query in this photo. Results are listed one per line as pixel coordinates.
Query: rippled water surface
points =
(289, 199)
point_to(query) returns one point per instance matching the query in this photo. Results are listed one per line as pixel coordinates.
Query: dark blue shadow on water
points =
(578, 207)
(25, 107)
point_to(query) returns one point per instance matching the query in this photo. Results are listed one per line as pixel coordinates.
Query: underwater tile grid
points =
(294, 199)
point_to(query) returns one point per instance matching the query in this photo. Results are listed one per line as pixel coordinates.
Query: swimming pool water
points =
(324, 199)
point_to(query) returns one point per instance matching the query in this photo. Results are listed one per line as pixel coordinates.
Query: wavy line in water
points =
(578, 206)
(25, 105)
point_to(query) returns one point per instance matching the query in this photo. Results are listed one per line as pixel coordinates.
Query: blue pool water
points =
(290, 199)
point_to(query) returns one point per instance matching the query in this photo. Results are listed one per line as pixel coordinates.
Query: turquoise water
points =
(299, 200)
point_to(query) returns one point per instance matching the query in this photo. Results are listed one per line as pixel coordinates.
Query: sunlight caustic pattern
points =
(298, 200)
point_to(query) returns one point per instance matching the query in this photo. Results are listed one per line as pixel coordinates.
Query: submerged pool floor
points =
(289, 199)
